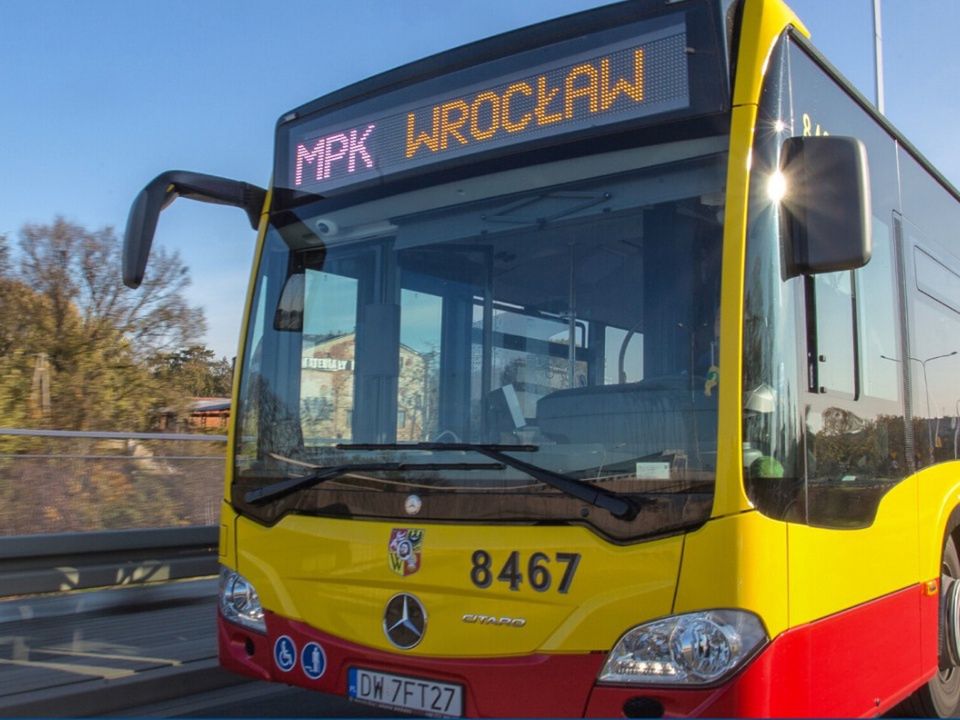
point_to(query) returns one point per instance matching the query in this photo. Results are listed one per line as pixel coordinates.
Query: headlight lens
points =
(691, 649)
(239, 602)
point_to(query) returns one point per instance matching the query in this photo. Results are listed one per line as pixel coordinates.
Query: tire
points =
(940, 698)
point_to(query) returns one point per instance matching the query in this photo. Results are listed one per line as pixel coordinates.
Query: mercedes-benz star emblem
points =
(412, 504)
(404, 621)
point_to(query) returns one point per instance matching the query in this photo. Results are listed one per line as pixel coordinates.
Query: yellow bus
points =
(606, 367)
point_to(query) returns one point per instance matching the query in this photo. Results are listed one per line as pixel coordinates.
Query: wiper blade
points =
(302, 482)
(617, 505)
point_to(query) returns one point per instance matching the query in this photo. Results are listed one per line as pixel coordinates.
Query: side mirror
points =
(163, 190)
(825, 209)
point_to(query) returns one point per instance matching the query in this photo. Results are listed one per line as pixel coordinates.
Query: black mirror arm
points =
(163, 190)
(217, 190)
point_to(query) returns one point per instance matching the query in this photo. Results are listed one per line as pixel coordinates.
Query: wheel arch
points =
(939, 512)
(951, 528)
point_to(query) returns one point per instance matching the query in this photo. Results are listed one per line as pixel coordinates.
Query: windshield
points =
(562, 314)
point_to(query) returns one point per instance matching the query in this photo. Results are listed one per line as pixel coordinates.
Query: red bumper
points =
(856, 663)
(528, 686)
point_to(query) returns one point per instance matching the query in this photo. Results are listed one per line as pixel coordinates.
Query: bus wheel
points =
(941, 696)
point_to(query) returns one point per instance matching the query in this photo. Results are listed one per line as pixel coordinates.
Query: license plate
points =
(425, 697)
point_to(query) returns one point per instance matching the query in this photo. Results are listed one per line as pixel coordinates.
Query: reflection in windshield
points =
(577, 316)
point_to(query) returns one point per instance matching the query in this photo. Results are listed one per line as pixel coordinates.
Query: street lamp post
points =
(923, 366)
(956, 427)
(878, 55)
(926, 387)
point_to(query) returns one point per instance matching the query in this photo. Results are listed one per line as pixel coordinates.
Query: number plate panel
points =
(426, 697)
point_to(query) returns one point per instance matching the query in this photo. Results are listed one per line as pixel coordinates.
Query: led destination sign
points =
(631, 80)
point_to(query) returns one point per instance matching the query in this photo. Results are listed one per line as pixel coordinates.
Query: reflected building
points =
(327, 390)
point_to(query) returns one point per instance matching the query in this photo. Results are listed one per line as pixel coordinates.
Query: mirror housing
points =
(163, 190)
(825, 209)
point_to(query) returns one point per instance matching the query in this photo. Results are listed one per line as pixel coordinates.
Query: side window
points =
(855, 428)
(249, 413)
(877, 319)
(934, 357)
(931, 279)
(823, 428)
(853, 348)
(269, 409)
(855, 439)
(774, 377)
(832, 343)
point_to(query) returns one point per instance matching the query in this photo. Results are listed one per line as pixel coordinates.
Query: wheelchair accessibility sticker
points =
(285, 653)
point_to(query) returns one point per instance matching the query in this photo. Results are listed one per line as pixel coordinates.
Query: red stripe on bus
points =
(539, 685)
(859, 662)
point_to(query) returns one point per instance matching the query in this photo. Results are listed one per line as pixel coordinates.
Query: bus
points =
(605, 367)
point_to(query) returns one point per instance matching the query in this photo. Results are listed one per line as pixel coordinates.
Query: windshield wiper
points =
(617, 505)
(302, 482)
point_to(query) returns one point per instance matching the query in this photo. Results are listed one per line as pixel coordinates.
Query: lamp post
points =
(878, 55)
(926, 386)
(956, 427)
(923, 366)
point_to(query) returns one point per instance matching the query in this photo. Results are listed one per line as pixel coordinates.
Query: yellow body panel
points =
(763, 22)
(835, 569)
(227, 547)
(939, 494)
(737, 562)
(335, 576)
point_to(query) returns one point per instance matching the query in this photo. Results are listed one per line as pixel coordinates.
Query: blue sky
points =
(100, 96)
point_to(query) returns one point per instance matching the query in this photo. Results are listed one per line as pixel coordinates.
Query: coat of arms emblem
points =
(403, 551)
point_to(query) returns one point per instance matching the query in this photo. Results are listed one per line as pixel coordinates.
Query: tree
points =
(74, 267)
(196, 371)
(64, 301)
(20, 307)
(77, 352)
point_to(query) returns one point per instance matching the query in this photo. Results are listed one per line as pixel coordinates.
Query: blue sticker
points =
(313, 660)
(285, 653)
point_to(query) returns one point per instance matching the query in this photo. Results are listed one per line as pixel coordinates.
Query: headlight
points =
(692, 649)
(239, 602)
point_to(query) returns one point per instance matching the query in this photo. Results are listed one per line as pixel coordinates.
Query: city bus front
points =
(478, 397)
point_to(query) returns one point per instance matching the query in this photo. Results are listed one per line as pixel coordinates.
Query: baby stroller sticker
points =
(403, 551)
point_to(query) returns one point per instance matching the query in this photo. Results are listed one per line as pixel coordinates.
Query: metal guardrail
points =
(73, 561)
(111, 435)
(60, 481)
(79, 509)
